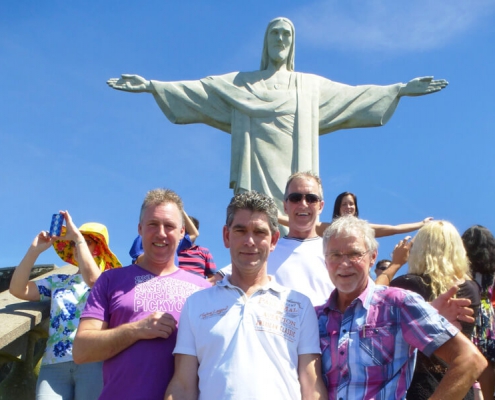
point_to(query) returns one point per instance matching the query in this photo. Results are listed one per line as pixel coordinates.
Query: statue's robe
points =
(274, 131)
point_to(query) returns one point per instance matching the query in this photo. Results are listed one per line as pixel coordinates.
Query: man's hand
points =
(130, 83)
(422, 86)
(454, 310)
(156, 325)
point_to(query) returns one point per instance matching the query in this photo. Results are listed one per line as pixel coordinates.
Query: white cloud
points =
(389, 25)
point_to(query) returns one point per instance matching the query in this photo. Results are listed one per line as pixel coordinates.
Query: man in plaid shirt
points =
(369, 333)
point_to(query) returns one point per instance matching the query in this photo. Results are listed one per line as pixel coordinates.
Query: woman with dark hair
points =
(480, 249)
(346, 204)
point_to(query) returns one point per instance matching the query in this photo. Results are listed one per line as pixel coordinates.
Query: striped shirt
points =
(197, 260)
(369, 351)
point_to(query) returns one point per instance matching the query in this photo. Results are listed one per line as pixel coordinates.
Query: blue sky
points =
(67, 141)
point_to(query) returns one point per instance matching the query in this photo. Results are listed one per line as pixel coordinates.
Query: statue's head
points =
(285, 49)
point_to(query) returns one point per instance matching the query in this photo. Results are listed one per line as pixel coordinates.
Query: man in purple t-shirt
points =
(130, 320)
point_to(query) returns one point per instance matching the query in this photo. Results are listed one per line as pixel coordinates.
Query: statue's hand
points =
(422, 86)
(130, 83)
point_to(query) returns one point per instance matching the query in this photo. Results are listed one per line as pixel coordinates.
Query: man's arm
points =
(184, 383)
(309, 370)
(465, 366)
(190, 227)
(95, 342)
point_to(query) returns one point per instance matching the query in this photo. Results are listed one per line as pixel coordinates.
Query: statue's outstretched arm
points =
(131, 83)
(422, 86)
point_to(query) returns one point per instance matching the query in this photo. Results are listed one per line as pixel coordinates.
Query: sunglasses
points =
(297, 197)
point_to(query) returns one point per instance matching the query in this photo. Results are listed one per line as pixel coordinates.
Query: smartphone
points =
(56, 225)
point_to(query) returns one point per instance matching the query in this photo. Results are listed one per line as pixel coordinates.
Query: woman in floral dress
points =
(87, 247)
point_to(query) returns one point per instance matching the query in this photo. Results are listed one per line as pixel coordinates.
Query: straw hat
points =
(102, 254)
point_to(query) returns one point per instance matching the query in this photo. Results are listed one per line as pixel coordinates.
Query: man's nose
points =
(249, 240)
(162, 231)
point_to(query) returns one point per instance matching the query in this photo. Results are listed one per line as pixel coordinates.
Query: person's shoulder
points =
(200, 249)
(117, 276)
(471, 290)
(127, 270)
(191, 278)
(302, 298)
(392, 295)
(292, 295)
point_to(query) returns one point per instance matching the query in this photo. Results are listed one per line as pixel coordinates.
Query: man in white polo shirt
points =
(248, 337)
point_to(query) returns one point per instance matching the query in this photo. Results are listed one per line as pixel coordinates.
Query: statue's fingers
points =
(426, 78)
(439, 82)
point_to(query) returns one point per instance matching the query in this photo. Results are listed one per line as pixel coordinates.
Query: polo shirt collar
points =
(272, 284)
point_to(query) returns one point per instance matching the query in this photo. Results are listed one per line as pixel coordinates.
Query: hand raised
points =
(130, 83)
(72, 232)
(42, 242)
(401, 251)
(427, 219)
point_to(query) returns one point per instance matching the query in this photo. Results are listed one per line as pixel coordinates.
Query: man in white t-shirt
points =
(297, 262)
(248, 337)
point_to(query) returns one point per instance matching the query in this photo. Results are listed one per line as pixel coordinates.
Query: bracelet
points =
(80, 241)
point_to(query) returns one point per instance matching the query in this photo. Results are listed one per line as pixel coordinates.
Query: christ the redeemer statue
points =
(275, 115)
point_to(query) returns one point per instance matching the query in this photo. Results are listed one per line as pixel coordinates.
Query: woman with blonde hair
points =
(437, 261)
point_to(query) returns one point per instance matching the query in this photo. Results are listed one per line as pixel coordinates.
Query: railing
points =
(23, 332)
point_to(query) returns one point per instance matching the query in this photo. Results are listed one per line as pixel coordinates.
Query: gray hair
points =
(348, 225)
(265, 59)
(304, 175)
(253, 201)
(161, 196)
